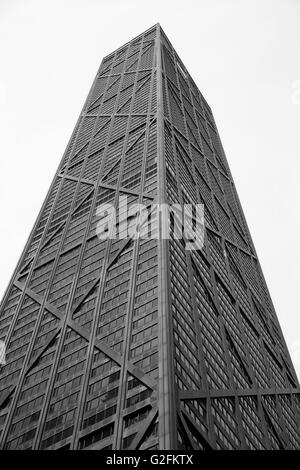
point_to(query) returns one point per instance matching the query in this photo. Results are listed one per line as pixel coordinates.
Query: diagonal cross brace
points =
(101, 345)
(144, 428)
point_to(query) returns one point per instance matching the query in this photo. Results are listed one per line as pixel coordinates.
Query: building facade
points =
(140, 343)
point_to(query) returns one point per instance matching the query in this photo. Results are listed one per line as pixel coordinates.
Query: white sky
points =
(243, 55)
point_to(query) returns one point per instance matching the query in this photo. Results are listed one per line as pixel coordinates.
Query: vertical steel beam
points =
(166, 382)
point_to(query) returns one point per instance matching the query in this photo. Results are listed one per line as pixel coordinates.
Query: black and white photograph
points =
(149, 242)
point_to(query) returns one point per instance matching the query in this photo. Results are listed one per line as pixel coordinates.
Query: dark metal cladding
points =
(135, 343)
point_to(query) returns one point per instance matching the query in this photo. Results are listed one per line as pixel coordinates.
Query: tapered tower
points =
(135, 342)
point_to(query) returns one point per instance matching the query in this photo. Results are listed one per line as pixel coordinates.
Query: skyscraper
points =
(140, 343)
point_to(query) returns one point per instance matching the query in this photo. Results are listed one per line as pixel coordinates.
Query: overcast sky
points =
(242, 54)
